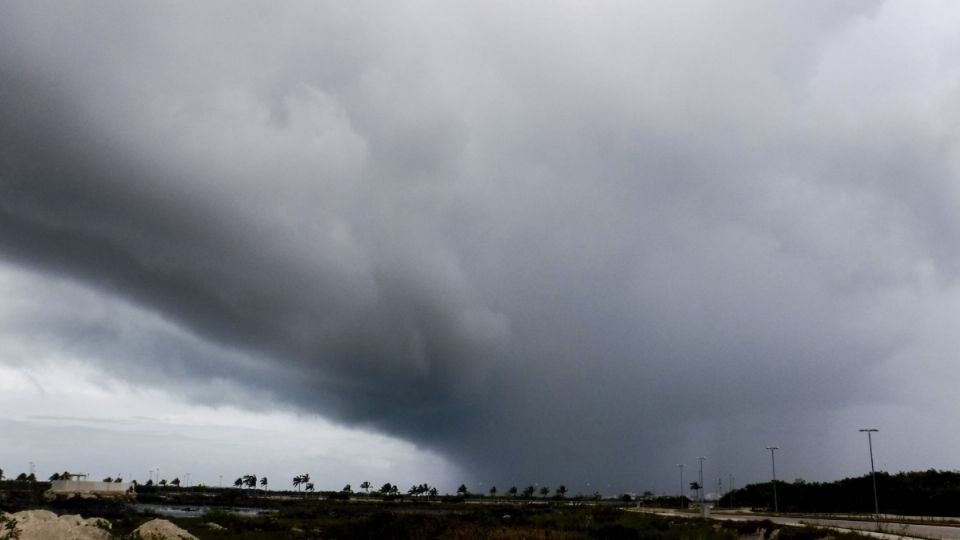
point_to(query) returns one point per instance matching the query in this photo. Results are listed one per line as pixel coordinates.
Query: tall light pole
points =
(773, 463)
(730, 487)
(876, 505)
(701, 458)
(682, 505)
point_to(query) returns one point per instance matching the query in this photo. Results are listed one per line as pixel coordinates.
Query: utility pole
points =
(873, 473)
(773, 463)
(682, 500)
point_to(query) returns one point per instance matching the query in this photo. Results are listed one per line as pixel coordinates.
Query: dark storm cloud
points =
(562, 245)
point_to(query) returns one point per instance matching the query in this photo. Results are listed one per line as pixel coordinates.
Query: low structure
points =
(83, 488)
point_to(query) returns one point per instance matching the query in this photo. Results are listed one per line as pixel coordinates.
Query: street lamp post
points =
(873, 473)
(730, 488)
(701, 458)
(773, 464)
(682, 505)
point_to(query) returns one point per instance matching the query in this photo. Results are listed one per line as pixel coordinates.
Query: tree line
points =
(916, 493)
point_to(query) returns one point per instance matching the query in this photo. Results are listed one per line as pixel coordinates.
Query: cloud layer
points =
(571, 243)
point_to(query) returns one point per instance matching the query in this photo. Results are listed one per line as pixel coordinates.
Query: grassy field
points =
(307, 518)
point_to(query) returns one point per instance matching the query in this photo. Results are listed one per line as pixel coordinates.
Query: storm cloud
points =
(570, 242)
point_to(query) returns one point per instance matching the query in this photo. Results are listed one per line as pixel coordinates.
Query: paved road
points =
(891, 528)
(897, 529)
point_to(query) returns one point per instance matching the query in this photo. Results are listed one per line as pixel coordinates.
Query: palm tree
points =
(309, 487)
(696, 487)
(462, 490)
(263, 482)
(238, 482)
(365, 486)
(493, 491)
(544, 491)
(297, 481)
(528, 492)
(175, 482)
(433, 492)
(561, 491)
(250, 480)
(347, 489)
(512, 491)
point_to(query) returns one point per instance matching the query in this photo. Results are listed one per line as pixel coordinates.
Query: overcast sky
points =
(486, 242)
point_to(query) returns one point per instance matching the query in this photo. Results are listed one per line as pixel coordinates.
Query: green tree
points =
(386, 489)
(175, 482)
(462, 490)
(163, 482)
(298, 481)
(493, 491)
(309, 487)
(263, 482)
(512, 491)
(108, 479)
(544, 491)
(238, 482)
(54, 477)
(22, 477)
(1, 475)
(347, 489)
(365, 486)
(562, 491)
(528, 492)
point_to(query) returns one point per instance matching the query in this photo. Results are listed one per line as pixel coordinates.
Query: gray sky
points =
(504, 243)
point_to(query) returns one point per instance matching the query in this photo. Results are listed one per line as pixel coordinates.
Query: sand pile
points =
(45, 525)
(161, 529)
